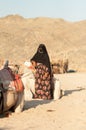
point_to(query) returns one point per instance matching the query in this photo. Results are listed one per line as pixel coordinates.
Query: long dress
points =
(43, 83)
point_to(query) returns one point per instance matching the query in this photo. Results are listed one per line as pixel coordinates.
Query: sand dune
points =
(20, 37)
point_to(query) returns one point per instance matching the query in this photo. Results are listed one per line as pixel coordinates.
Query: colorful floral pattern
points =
(43, 83)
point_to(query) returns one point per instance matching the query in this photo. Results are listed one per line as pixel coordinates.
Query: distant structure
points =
(59, 67)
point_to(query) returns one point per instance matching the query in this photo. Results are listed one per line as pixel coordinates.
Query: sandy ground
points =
(67, 113)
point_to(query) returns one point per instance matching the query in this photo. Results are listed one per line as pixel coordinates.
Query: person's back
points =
(43, 74)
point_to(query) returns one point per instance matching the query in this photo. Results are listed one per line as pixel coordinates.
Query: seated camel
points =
(10, 96)
(11, 99)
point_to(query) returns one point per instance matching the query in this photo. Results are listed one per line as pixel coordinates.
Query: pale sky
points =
(70, 10)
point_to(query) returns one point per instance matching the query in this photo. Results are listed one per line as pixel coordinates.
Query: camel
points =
(16, 100)
(10, 98)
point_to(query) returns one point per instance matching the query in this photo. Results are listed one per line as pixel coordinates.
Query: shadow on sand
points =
(35, 102)
(71, 71)
(68, 92)
(5, 129)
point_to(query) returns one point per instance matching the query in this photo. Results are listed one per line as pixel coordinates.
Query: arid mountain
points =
(20, 37)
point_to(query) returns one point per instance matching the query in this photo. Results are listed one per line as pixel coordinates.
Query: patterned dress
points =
(43, 83)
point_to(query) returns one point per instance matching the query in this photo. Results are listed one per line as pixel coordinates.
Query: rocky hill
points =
(20, 37)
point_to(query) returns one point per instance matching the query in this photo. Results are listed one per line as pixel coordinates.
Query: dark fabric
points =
(43, 74)
(43, 83)
(1, 97)
(6, 77)
(41, 56)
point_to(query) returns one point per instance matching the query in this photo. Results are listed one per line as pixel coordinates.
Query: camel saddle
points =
(9, 79)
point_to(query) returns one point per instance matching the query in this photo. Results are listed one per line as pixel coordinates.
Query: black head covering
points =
(41, 56)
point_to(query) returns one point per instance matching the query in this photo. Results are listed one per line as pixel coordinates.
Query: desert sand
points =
(67, 113)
